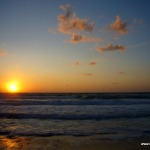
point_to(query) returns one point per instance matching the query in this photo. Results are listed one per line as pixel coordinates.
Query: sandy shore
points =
(70, 143)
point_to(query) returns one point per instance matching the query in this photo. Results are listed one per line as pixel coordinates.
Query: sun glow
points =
(12, 87)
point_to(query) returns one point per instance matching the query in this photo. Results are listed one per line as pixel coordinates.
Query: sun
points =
(13, 87)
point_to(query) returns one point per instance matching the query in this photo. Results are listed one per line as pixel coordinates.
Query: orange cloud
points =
(69, 22)
(76, 38)
(111, 47)
(119, 26)
(92, 63)
(77, 63)
(2, 53)
(87, 74)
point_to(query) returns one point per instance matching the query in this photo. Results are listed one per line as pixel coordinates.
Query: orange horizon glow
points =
(63, 84)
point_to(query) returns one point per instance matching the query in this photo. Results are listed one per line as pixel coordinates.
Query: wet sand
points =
(70, 143)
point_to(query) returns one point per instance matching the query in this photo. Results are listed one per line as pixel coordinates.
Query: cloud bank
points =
(75, 27)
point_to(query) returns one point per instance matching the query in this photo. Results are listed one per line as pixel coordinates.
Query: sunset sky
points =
(75, 45)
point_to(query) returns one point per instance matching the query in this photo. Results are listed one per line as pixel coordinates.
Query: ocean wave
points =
(44, 96)
(12, 134)
(73, 116)
(76, 102)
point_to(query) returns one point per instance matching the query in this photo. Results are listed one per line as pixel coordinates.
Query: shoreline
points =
(71, 143)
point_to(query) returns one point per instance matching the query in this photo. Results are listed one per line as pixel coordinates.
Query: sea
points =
(109, 115)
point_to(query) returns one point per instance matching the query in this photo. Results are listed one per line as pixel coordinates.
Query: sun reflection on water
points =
(10, 144)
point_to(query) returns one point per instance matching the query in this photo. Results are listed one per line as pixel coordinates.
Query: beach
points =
(70, 143)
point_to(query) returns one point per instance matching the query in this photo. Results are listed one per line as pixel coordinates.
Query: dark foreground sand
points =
(70, 143)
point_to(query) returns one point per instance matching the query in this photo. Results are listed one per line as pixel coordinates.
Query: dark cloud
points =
(111, 47)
